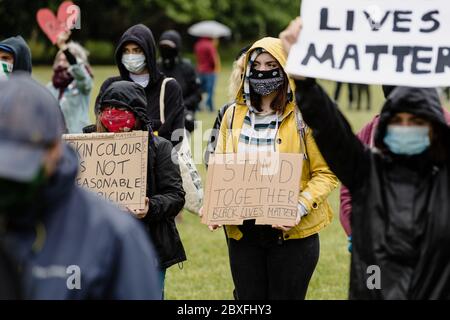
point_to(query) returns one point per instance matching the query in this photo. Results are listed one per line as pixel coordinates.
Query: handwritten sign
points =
(113, 165)
(261, 186)
(393, 42)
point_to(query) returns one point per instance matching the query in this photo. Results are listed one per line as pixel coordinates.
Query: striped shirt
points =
(258, 132)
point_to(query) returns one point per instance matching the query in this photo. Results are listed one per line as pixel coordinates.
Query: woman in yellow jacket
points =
(275, 262)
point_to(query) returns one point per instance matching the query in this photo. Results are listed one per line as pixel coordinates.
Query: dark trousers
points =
(264, 267)
(337, 92)
(363, 89)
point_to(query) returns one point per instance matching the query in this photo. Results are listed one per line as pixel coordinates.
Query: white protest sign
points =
(393, 42)
(245, 186)
(113, 165)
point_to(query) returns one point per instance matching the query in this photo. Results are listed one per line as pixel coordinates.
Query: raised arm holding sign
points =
(399, 190)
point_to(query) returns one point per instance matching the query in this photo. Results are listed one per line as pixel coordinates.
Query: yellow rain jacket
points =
(317, 180)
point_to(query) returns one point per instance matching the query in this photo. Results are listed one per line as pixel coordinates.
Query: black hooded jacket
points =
(9, 277)
(173, 99)
(22, 53)
(164, 184)
(174, 66)
(400, 205)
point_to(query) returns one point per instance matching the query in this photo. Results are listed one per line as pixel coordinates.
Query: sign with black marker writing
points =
(393, 42)
(113, 165)
(245, 186)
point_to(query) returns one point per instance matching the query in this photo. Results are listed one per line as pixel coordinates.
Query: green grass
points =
(206, 275)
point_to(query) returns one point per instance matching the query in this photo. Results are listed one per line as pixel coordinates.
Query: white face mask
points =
(135, 63)
(5, 69)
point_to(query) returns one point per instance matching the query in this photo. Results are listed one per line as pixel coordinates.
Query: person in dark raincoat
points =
(173, 65)
(136, 60)
(400, 189)
(15, 55)
(123, 108)
(66, 242)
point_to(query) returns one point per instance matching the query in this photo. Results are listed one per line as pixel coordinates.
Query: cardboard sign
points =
(53, 26)
(261, 186)
(113, 165)
(393, 42)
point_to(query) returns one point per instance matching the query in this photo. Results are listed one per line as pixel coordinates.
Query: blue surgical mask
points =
(407, 140)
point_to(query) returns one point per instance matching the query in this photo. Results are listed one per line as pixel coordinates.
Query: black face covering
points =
(266, 82)
(169, 56)
(16, 196)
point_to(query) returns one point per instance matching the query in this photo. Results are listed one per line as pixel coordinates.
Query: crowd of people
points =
(395, 174)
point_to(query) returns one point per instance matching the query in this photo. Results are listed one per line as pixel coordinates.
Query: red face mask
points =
(114, 120)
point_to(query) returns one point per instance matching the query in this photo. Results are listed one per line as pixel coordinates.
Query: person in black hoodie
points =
(401, 207)
(136, 60)
(173, 65)
(16, 55)
(122, 108)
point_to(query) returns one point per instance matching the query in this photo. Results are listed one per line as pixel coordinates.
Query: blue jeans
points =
(208, 82)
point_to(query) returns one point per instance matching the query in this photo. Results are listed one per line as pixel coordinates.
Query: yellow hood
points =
(275, 48)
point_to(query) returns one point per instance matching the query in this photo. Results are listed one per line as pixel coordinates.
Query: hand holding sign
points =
(289, 36)
(212, 227)
(141, 213)
(66, 19)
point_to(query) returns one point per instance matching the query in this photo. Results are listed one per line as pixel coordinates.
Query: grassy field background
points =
(206, 275)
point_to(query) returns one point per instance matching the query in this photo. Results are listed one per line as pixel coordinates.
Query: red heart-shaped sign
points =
(54, 26)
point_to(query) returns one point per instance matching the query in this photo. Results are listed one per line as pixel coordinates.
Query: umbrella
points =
(210, 29)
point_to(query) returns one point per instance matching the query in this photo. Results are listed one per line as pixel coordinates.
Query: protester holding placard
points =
(275, 262)
(66, 242)
(123, 108)
(136, 60)
(72, 83)
(399, 190)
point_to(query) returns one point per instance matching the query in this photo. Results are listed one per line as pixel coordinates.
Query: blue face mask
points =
(407, 140)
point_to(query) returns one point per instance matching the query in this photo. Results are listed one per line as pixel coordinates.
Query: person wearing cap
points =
(123, 109)
(173, 65)
(15, 55)
(67, 242)
(400, 189)
(136, 61)
(72, 83)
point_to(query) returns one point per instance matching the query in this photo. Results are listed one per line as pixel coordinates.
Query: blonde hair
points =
(236, 76)
(100, 127)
